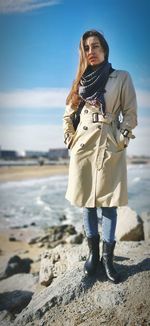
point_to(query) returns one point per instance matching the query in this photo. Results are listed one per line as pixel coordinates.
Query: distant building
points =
(58, 153)
(35, 154)
(8, 154)
(52, 154)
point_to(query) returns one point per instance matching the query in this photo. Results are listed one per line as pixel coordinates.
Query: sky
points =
(39, 57)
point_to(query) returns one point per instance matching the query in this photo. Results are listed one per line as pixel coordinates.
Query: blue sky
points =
(39, 57)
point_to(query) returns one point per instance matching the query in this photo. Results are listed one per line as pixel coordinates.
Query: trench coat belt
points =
(107, 118)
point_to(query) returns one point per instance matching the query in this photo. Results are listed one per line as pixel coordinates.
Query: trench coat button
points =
(86, 111)
(81, 145)
(85, 127)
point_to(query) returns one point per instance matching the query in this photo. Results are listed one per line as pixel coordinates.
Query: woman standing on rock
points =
(97, 172)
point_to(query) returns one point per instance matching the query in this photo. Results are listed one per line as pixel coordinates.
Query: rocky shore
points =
(42, 281)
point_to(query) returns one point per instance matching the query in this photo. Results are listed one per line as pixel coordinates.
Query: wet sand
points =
(20, 246)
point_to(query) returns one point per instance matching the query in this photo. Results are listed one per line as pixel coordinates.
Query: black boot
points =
(93, 259)
(107, 261)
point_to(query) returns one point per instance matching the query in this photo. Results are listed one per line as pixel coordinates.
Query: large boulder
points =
(16, 292)
(129, 225)
(74, 299)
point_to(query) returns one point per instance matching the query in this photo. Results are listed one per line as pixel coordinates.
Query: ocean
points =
(42, 201)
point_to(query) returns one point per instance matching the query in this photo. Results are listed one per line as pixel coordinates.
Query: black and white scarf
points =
(92, 84)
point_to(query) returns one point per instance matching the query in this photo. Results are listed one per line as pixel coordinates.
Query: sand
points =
(14, 173)
(20, 246)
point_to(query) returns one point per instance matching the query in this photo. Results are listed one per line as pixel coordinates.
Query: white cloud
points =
(34, 137)
(43, 137)
(34, 98)
(51, 98)
(143, 98)
(14, 6)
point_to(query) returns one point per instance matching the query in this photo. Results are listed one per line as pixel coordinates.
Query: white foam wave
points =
(39, 201)
(137, 179)
(32, 182)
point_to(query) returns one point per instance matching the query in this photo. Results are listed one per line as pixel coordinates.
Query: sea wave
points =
(43, 200)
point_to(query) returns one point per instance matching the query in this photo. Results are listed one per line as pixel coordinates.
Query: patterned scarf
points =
(92, 84)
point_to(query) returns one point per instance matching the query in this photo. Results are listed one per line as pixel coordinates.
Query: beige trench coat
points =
(97, 170)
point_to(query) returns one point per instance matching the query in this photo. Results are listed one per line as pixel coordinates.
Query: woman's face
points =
(93, 51)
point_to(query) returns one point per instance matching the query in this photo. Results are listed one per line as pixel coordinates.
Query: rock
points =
(16, 265)
(6, 318)
(75, 239)
(33, 224)
(73, 299)
(60, 231)
(19, 282)
(12, 238)
(33, 240)
(16, 292)
(15, 301)
(46, 270)
(58, 260)
(108, 299)
(56, 235)
(40, 245)
(146, 225)
(129, 225)
(24, 226)
(65, 289)
(63, 218)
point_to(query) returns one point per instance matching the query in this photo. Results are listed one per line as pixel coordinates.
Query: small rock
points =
(5, 318)
(15, 227)
(63, 218)
(33, 240)
(19, 282)
(40, 245)
(12, 238)
(15, 301)
(16, 265)
(75, 239)
(56, 235)
(33, 224)
(46, 272)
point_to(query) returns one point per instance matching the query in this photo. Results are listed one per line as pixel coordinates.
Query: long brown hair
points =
(73, 97)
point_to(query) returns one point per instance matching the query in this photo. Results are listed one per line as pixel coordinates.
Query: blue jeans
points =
(109, 220)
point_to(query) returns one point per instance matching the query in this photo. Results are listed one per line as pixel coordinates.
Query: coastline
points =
(18, 173)
(25, 172)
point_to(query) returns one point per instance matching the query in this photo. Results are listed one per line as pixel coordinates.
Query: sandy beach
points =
(14, 173)
(21, 247)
